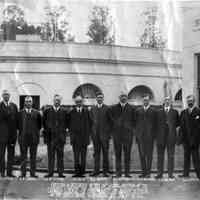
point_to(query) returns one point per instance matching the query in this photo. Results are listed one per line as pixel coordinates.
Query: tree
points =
(56, 27)
(100, 29)
(152, 36)
(13, 19)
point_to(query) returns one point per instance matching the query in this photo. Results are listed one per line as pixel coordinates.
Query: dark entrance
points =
(36, 101)
(198, 77)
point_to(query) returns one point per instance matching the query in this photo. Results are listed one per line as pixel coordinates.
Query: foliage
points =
(152, 36)
(100, 28)
(56, 26)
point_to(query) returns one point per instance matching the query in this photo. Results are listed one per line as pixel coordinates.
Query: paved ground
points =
(100, 188)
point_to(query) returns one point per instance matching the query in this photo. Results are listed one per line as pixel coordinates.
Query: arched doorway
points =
(88, 91)
(137, 93)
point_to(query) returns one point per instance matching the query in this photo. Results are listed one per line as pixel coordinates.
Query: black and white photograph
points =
(100, 99)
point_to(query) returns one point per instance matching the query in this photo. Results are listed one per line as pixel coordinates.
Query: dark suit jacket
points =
(29, 134)
(100, 122)
(8, 123)
(168, 121)
(190, 127)
(55, 125)
(80, 127)
(145, 124)
(123, 121)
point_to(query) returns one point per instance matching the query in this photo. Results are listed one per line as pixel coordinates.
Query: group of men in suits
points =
(121, 122)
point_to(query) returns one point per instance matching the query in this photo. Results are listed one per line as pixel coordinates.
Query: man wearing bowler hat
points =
(122, 116)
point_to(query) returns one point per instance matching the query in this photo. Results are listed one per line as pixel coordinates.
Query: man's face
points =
(6, 97)
(190, 102)
(79, 103)
(167, 102)
(28, 103)
(57, 101)
(100, 99)
(123, 99)
(146, 102)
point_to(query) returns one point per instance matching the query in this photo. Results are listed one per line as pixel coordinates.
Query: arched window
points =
(87, 91)
(178, 96)
(138, 92)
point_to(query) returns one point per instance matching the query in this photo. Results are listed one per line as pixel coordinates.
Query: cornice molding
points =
(13, 59)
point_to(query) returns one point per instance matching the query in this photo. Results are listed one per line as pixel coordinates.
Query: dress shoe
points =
(11, 175)
(148, 176)
(48, 176)
(171, 177)
(61, 176)
(33, 176)
(184, 176)
(117, 176)
(94, 174)
(105, 174)
(142, 176)
(22, 176)
(158, 176)
(128, 176)
(78, 176)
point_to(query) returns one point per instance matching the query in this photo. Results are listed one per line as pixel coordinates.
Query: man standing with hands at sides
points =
(80, 130)
(166, 137)
(8, 132)
(145, 133)
(190, 136)
(100, 135)
(122, 116)
(29, 135)
(55, 125)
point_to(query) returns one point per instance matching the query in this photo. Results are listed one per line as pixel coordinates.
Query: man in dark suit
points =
(80, 130)
(29, 135)
(55, 125)
(100, 135)
(166, 137)
(8, 133)
(145, 134)
(190, 137)
(122, 116)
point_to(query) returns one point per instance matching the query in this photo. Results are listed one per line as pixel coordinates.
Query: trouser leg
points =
(24, 150)
(196, 161)
(105, 151)
(76, 152)
(142, 158)
(83, 158)
(10, 158)
(118, 154)
(170, 153)
(149, 156)
(187, 160)
(160, 159)
(2, 158)
(33, 155)
(127, 156)
(97, 153)
(51, 159)
(60, 159)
